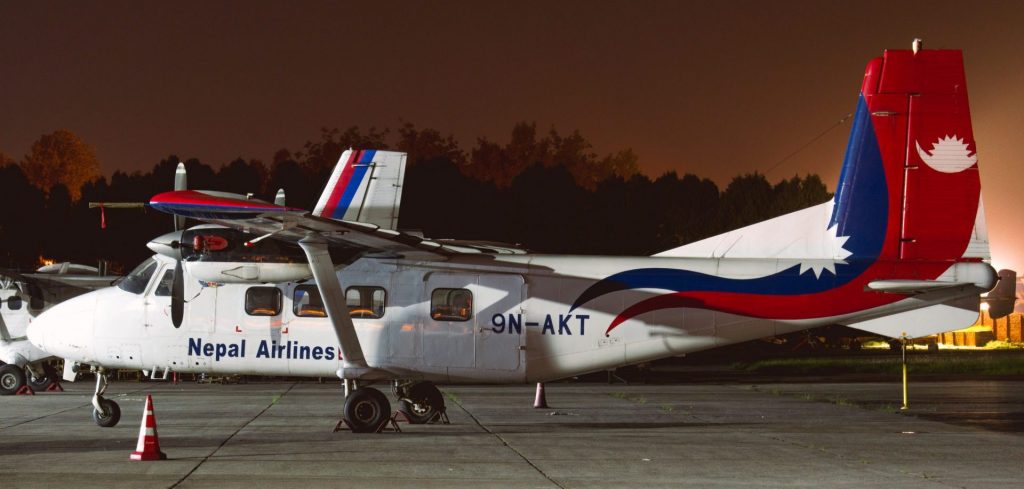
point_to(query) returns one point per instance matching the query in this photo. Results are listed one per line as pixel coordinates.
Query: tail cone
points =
(149, 446)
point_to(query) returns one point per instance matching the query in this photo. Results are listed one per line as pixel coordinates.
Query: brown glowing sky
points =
(713, 88)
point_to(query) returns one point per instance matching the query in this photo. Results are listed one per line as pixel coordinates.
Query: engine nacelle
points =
(223, 255)
(247, 272)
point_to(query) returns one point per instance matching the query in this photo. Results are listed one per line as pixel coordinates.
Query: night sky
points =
(713, 88)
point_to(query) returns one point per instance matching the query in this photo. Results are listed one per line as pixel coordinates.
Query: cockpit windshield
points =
(136, 281)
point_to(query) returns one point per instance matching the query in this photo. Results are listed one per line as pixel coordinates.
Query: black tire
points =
(112, 416)
(366, 409)
(423, 403)
(12, 378)
(44, 382)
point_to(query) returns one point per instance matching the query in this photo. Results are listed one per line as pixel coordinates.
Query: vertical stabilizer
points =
(365, 186)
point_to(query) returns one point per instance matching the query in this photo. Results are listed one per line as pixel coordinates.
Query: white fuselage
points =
(521, 328)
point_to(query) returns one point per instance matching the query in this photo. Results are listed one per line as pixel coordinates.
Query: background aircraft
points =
(901, 250)
(23, 297)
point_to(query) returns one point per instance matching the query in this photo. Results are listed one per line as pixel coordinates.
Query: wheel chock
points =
(25, 390)
(344, 425)
(55, 387)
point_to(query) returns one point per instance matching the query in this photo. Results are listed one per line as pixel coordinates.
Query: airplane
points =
(23, 297)
(901, 250)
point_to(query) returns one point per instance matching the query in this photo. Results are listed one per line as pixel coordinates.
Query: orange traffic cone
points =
(540, 401)
(149, 446)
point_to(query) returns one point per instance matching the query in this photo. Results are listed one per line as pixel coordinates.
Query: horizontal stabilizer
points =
(938, 318)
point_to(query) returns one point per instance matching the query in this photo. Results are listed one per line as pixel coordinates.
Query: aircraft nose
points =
(65, 330)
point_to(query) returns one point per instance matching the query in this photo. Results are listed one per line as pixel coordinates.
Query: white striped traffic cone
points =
(149, 446)
(540, 401)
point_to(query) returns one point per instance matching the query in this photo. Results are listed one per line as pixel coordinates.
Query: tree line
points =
(548, 192)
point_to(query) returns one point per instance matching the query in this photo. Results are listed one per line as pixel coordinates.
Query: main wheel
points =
(12, 377)
(423, 402)
(44, 382)
(110, 416)
(366, 409)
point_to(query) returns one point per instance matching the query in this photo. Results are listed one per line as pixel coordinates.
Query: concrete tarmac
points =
(594, 435)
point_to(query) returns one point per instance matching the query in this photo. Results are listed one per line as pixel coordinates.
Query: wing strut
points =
(353, 363)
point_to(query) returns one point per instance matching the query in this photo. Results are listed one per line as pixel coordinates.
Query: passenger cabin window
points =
(163, 289)
(451, 305)
(307, 303)
(136, 281)
(263, 301)
(365, 302)
(14, 303)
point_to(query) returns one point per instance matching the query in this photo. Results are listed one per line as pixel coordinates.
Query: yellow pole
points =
(903, 342)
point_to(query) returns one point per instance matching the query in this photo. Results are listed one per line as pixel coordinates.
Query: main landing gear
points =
(421, 402)
(40, 378)
(367, 410)
(105, 413)
(12, 377)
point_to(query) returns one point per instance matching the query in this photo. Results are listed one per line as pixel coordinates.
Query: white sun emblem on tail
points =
(949, 155)
(835, 244)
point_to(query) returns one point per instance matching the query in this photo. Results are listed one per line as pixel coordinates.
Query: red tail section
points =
(919, 109)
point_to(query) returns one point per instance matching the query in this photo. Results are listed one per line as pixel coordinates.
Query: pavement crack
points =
(504, 442)
(80, 406)
(273, 401)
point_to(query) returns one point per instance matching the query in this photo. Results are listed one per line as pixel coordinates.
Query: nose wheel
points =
(105, 413)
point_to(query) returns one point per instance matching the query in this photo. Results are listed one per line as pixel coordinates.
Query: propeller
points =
(180, 183)
(178, 295)
(170, 245)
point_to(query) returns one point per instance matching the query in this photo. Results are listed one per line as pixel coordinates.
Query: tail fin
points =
(909, 187)
(911, 163)
(365, 186)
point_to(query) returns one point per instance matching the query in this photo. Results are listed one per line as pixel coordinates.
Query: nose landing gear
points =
(105, 413)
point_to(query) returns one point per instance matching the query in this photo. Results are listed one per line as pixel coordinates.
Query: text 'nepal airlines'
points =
(901, 250)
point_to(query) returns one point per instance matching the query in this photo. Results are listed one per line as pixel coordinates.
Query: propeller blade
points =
(178, 296)
(180, 183)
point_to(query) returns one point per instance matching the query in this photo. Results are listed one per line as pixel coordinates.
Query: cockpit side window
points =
(163, 289)
(136, 281)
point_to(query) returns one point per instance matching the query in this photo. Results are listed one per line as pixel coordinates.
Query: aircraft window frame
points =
(132, 282)
(14, 303)
(443, 306)
(263, 311)
(309, 309)
(166, 276)
(367, 309)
